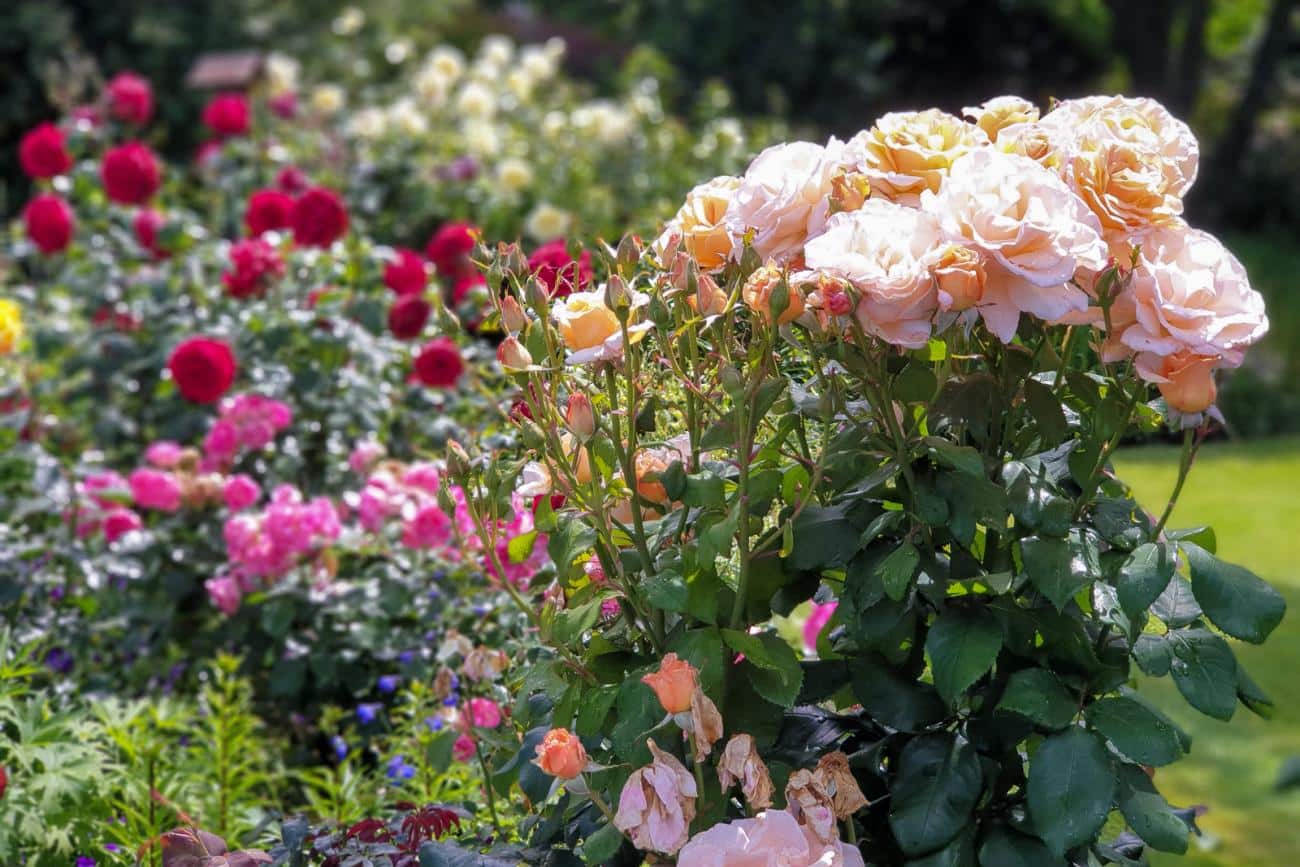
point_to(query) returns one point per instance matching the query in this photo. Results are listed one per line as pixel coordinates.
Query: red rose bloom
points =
(146, 224)
(43, 153)
(405, 274)
(255, 264)
(268, 210)
(291, 180)
(465, 285)
(49, 223)
(449, 248)
(407, 316)
(130, 173)
(552, 265)
(203, 368)
(226, 114)
(439, 364)
(319, 218)
(130, 98)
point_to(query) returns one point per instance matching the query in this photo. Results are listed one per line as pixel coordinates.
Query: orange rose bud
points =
(1189, 381)
(646, 462)
(580, 417)
(512, 354)
(512, 315)
(561, 754)
(762, 285)
(674, 683)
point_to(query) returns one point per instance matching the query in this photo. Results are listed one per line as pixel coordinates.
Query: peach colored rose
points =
(908, 152)
(561, 754)
(590, 329)
(960, 276)
(650, 461)
(784, 198)
(830, 298)
(674, 683)
(1033, 231)
(758, 289)
(657, 805)
(1190, 293)
(1001, 112)
(699, 228)
(1185, 379)
(773, 838)
(740, 763)
(885, 250)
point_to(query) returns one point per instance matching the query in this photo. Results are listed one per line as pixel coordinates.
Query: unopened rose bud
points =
(458, 463)
(674, 683)
(538, 298)
(767, 293)
(512, 354)
(617, 296)
(446, 501)
(628, 253)
(561, 754)
(580, 416)
(513, 260)
(513, 317)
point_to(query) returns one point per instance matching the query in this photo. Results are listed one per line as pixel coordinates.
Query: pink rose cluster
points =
(247, 422)
(927, 220)
(408, 494)
(103, 505)
(265, 545)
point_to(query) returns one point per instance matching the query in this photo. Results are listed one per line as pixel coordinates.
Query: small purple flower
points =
(366, 713)
(406, 657)
(57, 593)
(340, 747)
(85, 861)
(451, 700)
(462, 168)
(399, 770)
(59, 660)
(434, 723)
(388, 683)
(111, 847)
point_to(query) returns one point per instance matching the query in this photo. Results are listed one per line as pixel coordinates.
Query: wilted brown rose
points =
(740, 763)
(706, 724)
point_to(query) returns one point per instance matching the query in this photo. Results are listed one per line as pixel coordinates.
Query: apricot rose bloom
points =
(657, 805)
(700, 224)
(561, 754)
(1185, 379)
(1190, 293)
(771, 839)
(1032, 230)
(885, 250)
(906, 153)
(784, 197)
(758, 289)
(674, 683)
(959, 276)
(590, 329)
(1001, 112)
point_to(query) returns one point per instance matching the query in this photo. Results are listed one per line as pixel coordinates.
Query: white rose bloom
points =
(282, 73)
(514, 174)
(547, 222)
(885, 250)
(554, 123)
(520, 83)
(538, 63)
(1035, 232)
(327, 99)
(432, 86)
(784, 198)
(447, 61)
(406, 116)
(476, 100)
(368, 123)
(497, 50)
(481, 138)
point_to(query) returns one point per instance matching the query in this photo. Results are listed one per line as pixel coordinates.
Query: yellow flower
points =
(11, 326)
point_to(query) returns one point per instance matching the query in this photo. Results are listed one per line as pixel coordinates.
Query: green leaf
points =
(667, 589)
(571, 623)
(1205, 671)
(602, 845)
(1006, 848)
(1203, 536)
(915, 383)
(1235, 599)
(1071, 788)
(1055, 568)
(593, 709)
(1176, 606)
(1139, 732)
(938, 784)
(897, 569)
(962, 645)
(1144, 576)
(520, 547)
(704, 490)
(903, 703)
(777, 674)
(824, 538)
(1046, 409)
(959, 853)
(1037, 695)
(1252, 695)
(961, 458)
(1148, 814)
(569, 539)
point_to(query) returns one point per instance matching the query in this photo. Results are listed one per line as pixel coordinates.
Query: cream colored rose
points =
(591, 331)
(700, 225)
(784, 198)
(1001, 112)
(906, 153)
(885, 250)
(1033, 231)
(1189, 293)
(1042, 144)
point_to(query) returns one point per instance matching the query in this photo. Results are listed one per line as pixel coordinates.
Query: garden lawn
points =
(1250, 493)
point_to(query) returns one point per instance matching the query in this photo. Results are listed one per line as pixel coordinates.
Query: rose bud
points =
(960, 276)
(759, 290)
(512, 354)
(580, 417)
(513, 318)
(1188, 381)
(561, 754)
(674, 683)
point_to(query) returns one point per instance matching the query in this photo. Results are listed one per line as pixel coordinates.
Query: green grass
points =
(1250, 493)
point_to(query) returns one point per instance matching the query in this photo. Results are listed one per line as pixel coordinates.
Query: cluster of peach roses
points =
(926, 220)
(658, 801)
